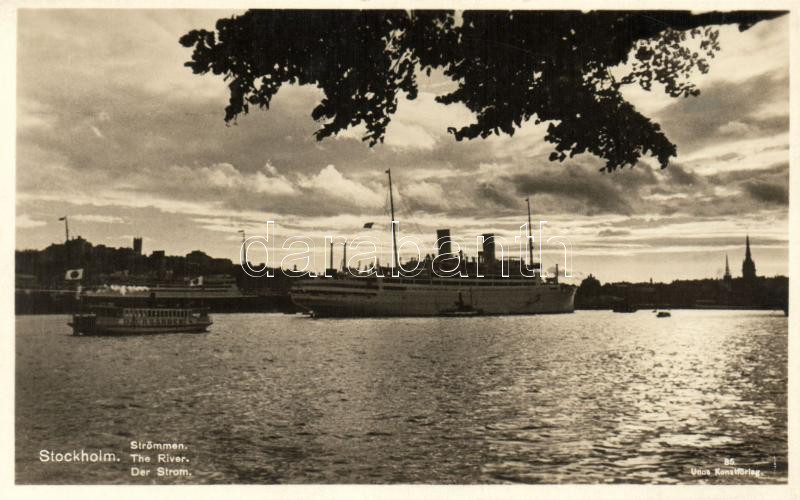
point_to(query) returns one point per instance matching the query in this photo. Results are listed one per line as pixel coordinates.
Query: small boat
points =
(115, 320)
(461, 309)
(663, 314)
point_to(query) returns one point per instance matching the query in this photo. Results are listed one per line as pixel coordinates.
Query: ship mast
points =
(394, 229)
(530, 233)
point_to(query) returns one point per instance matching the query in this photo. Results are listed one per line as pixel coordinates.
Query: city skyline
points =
(384, 253)
(129, 144)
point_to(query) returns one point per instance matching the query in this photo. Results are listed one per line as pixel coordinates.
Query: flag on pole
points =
(368, 225)
(63, 218)
(73, 274)
(196, 281)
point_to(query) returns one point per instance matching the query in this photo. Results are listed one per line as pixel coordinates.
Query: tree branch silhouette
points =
(510, 67)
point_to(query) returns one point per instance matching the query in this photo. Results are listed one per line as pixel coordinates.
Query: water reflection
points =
(584, 398)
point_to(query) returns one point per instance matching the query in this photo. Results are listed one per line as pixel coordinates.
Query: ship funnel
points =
(443, 242)
(488, 248)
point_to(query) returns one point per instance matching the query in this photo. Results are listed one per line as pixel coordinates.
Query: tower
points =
(748, 266)
(137, 245)
(727, 277)
(443, 242)
(488, 248)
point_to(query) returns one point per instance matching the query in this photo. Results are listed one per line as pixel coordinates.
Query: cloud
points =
(611, 232)
(766, 185)
(332, 182)
(735, 176)
(768, 192)
(649, 243)
(24, 221)
(419, 124)
(220, 181)
(496, 195)
(422, 122)
(581, 189)
(726, 111)
(104, 219)
(34, 115)
(422, 195)
(225, 175)
(736, 128)
(681, 175)
(406, 136)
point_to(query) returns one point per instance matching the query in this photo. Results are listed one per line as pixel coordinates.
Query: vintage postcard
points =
(507, 249)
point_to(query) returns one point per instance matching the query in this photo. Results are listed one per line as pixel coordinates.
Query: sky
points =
(114, 131)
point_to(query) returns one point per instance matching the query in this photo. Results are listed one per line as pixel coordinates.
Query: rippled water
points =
(582, 398)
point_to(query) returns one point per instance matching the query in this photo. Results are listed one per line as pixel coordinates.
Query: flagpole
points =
(530, 233)
(394, 229)
(66, 225)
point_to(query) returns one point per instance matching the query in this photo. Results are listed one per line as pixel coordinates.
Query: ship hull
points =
(346, 300)
(143, 330)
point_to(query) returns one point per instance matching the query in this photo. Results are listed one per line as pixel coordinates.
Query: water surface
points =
(590, 397)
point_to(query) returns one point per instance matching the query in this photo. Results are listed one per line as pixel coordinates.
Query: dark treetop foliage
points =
(509, 67)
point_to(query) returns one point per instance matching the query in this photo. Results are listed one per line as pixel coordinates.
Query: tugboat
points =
(663, 314)
(115, 320)
(461, 309)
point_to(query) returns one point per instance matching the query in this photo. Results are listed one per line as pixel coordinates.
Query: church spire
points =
(748, 266)
(727, 268)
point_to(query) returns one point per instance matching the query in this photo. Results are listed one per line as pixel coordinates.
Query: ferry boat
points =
(350, 292)
(116, 320)
(200, 289)
(220, 293)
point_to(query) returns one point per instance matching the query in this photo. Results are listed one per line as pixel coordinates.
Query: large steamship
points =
(481, 288)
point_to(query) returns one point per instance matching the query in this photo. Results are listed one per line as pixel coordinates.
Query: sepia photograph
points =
(399, 245)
